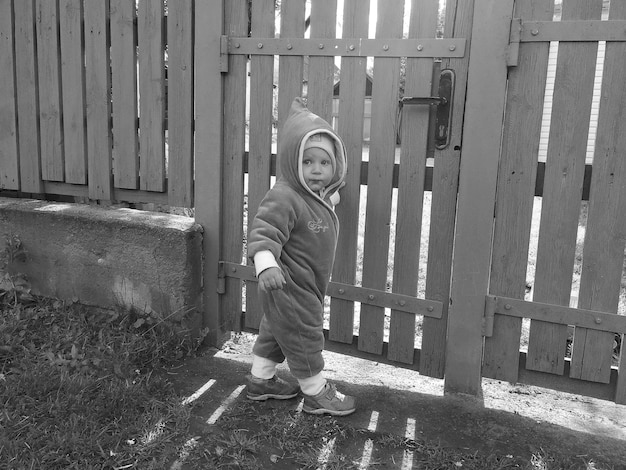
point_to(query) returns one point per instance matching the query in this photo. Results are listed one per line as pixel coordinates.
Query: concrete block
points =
(109, 257)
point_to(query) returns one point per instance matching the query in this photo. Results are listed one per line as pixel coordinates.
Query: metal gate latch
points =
(443, 102)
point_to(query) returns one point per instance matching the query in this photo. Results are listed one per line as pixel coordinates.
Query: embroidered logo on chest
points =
(316, 226)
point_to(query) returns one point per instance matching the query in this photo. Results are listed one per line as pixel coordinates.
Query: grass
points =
(78, 391)
(255, 436)
(77, 388)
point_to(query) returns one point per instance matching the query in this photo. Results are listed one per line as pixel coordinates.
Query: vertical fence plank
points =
(98, 99)
(603, 255)
(260, 132)
(350, 128)
(208, 154)
(9, 176)
(565, 166)
(291, 68)
(236, 24)
(124, 90)
(414, 134)
(321, 70)
(180, 103)
(73, 90)
(151, 95)
(27, 97)
(515, 191)
(380, 172)
(46, 16)
(444, 199)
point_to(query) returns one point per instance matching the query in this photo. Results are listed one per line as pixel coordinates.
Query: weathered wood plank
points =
(9, 175)
(48, 68)
(515, 191)
(565, 165)
(98, 99)
(487, 76)
(350, 128)
(208, 153)
(180, 103)
(124, 89)
(236, 21)
(414, 134)
(444, 199)
(385, 96)
(291, 68)
(73, 90)
(603, 252)
(151, 95)
(27, 102)
(321, 70)
(260, 132)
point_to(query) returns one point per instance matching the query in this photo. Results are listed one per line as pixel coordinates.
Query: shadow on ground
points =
(511, 421)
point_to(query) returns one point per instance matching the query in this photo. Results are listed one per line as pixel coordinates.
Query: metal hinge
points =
(224, 54)
(488, 317)
(512, 50)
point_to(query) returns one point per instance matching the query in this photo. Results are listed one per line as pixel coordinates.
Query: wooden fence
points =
(99, 103)
(180, 103)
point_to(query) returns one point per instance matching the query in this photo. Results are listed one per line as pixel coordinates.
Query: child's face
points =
(317, 169)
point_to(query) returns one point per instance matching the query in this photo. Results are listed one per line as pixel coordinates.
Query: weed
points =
(14, 285)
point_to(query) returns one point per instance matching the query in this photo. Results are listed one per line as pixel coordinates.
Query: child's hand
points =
(271, 279)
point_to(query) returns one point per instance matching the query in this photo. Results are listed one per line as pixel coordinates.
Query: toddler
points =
(292, 242)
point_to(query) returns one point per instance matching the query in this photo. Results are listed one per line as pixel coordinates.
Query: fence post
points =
(209, 19)
(484, 111)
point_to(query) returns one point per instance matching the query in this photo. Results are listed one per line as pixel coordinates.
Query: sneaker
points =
(277, 388)
(329, 401)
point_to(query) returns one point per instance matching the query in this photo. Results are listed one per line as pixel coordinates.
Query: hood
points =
(300, 124)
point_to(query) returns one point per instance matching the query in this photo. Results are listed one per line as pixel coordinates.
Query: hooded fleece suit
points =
(299, 227)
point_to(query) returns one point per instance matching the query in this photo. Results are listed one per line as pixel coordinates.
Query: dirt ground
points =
(513, 420)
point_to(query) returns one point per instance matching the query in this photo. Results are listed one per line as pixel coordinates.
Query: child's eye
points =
(325, 162)
(306, 162)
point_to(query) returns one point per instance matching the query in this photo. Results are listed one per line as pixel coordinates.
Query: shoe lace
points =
(333, 393)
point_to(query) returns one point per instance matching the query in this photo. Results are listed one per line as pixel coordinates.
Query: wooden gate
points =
(374, 306)
(472, 315)
(573, 329)
(559, 224)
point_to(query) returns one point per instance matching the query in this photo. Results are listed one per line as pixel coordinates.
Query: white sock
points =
(312, 385)
(262, 367)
